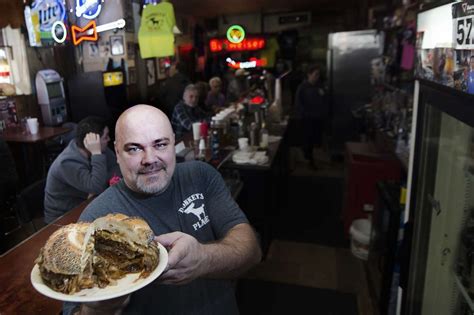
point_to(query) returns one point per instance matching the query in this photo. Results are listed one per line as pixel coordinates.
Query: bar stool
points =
(29, 204)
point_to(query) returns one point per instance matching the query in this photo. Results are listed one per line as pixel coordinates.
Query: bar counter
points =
(17, 295)
(44, 133)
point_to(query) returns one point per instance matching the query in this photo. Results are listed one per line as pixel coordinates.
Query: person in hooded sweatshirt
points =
(85, 168)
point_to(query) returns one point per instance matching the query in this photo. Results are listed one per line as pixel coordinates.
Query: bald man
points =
(203, 250)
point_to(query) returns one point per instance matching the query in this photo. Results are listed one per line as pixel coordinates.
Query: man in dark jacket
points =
(172, 90)
(311, 105)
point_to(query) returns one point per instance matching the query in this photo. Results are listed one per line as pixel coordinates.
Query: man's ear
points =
(116, 148)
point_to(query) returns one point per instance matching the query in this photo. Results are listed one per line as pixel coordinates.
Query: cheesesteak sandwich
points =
(84, 255)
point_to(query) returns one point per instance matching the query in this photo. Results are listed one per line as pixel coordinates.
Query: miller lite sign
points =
(49, 12)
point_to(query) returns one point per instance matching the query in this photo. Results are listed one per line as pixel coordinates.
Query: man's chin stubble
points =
(151, 186)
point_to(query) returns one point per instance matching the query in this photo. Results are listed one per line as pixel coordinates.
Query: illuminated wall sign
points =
(113, 78)
(49, 11)
(89, 32)
(252, 63)
(88, 9)
(235, 34)
(219, 44)
(32, 26)
(59, 32)
(76, 31)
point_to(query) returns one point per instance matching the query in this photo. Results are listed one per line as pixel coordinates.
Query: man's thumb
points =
(168, 239)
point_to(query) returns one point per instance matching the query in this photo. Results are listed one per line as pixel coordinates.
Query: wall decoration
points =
(48, 12)
(32, 26)
(90, 31)
(116, 45)
(130, 50)
(155, 36)
(104, 49)
(59, 32)
(113, 78)
(76, 30)
(93, 50)
(251, 63)
(150, 72)
(235, 34)
(162, 64)
(132, 75)
(251, 43)
(88, 9)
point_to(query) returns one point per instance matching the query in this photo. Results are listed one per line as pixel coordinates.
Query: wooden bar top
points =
(17, 295)
(44, 133)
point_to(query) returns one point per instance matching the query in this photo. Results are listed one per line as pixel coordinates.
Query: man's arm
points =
(227, 258)
(91, 180)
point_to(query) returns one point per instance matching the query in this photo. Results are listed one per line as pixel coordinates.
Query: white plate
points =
(126, 285)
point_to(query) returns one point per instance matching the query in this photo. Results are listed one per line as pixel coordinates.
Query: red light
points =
(185, 48)
(219, 44)
(257, 100)
(215, 45)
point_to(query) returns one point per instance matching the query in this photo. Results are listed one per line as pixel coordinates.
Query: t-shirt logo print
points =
(189, 207)
(196, 211)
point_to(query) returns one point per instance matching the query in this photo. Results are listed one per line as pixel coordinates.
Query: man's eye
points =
(133, 149)
(161, 145)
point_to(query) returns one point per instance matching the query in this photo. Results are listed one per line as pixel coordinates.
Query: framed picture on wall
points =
(132, 76)
(93, 50)
(164, 64)
(130, 50)
(116, 45)
(150, 72)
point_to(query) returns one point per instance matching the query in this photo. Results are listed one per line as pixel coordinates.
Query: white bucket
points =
(360, 238)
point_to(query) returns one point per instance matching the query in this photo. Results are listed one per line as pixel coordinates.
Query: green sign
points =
(235, 34)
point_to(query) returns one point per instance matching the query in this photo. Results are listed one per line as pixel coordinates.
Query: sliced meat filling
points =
(67, 284)
(114, 259)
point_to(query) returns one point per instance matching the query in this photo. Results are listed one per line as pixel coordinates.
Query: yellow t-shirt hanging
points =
(155, 37)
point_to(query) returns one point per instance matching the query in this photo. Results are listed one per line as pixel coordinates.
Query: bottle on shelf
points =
(263, 136)
(253, 134)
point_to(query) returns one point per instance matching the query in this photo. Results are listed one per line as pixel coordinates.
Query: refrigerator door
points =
(443, 186)
(349, 66)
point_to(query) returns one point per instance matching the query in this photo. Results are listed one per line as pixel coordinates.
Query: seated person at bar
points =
(215, 99)
(187, 112)
(83, 169)
(204, 252)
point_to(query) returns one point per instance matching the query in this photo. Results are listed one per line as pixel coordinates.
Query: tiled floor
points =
(315, 266)
(315, 254)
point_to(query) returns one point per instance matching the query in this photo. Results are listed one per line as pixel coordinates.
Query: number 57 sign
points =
(463, 19)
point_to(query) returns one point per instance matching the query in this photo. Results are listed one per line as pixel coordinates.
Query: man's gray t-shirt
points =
(198, 203)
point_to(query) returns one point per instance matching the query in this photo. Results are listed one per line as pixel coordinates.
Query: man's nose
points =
(149, 156)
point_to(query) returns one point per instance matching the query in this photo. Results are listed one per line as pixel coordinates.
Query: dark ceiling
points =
(214, 8)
